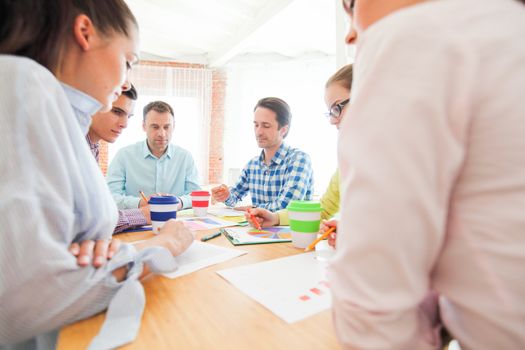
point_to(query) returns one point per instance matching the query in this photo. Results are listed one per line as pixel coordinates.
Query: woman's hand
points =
(327, 224)
(94, 252)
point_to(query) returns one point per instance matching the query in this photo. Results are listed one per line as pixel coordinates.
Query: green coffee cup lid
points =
(304, 206)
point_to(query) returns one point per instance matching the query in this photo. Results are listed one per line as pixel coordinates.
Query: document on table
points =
(293, 288)
(205, 223)
(225, 212)
(200, 255)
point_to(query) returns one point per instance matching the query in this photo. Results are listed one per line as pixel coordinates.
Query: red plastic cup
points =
(200, 201)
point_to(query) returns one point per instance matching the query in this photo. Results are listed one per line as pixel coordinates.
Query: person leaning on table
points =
(108, 126)
(53, 194)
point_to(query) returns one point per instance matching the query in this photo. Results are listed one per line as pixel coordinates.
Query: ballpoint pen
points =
(208, 237)
(323, 236)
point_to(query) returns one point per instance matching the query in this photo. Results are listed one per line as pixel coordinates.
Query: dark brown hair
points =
(131, 93)
(157, 106)
(38, 29)
(343, 77)
(281, 109)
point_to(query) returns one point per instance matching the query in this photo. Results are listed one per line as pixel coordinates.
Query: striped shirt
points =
(53, 194)
(289, 176)
(127, 218)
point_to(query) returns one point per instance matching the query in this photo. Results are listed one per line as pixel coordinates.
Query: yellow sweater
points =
(329, 201)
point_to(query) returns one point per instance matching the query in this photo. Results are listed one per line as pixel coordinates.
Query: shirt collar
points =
(147, 153)
(83, 105)
(279, 156)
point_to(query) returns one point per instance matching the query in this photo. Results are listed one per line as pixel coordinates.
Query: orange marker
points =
(254, 220)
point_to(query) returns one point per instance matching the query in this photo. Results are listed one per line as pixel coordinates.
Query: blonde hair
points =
(343, 77)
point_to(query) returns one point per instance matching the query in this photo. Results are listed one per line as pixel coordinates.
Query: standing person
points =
(280, 173)
(60, 63)
(432, 161)
(154, 165)
(336, 97)
(108, 127)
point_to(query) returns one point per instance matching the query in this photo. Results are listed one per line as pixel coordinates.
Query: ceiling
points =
(213, 32)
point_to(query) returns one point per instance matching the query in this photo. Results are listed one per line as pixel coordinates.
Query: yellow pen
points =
(143, 197)
(323, 236)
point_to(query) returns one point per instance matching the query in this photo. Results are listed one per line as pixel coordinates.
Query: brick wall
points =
(217, 127)
(215, 164)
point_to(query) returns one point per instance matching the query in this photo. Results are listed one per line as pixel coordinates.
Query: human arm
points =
(400, 153)
(299, 176)
(237, 192)
(330, 199)
(265, 217)
(128, 218)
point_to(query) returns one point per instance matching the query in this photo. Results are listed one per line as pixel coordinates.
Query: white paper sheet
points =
(222, 212)
(293, 288)
(200, 255)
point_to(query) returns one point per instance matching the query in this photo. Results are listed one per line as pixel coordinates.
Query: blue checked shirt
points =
(289, 176)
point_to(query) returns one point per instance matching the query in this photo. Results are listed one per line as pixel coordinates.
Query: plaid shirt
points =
(127, 218)
(289, 176)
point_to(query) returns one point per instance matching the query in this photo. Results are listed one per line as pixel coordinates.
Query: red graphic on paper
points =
(322, 288)
(316, 291)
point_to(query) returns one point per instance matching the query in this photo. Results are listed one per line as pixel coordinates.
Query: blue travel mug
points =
(162, 208)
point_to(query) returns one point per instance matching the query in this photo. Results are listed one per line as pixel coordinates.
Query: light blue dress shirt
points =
(135, 169)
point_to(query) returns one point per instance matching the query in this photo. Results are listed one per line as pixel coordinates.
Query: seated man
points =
(280, 173)
(107, 127)
(154, 165)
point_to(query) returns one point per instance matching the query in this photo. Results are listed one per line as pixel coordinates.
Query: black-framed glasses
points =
(336, 110)
(349, 6)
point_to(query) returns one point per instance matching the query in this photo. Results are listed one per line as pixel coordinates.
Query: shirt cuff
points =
(283, 217)
(158, 260)
(229, 201)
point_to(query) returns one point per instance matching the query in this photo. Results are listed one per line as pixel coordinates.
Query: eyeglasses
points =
(336, 110)
(349, 6)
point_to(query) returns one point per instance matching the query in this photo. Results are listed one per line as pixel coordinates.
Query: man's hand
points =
(95, 252)
(220, 193)
(265, 217)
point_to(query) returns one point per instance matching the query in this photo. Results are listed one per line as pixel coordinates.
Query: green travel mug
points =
(305, 219)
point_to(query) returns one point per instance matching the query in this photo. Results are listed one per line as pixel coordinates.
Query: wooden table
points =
(203, 311)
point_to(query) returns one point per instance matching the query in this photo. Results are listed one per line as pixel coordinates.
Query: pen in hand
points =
(208, 237)
(323, 236)
(254, 220)
(143, 197)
